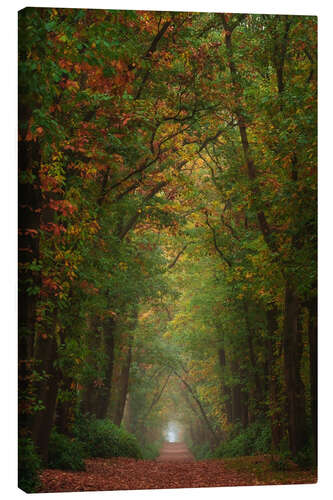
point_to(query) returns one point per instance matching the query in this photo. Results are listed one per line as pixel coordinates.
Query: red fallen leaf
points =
(130, 474)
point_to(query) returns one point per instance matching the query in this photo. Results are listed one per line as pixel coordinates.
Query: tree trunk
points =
(103, 395)
(65, 409)
(236, 403)
(276, 412)
(292, 343)
(124, 379)
(225, 390)
(244, 409)
(28, 249)
(201, 411)
(236, 394)
(313, 343)
(127, 413)
(250, 338)
(88, 403)
(47, 391)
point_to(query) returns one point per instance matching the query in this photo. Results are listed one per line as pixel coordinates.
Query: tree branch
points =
(174, 262)
(215, 243)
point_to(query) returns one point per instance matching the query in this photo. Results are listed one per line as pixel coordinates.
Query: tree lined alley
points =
(167, 236)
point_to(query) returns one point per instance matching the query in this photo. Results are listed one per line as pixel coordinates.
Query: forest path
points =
(130, 474)
(103, 474)
(175, 452)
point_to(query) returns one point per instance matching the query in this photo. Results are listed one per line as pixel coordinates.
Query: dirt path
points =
(175, 452)
(131, 474)
(174, 468)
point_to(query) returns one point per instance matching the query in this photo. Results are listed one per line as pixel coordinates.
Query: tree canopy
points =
(167, 217)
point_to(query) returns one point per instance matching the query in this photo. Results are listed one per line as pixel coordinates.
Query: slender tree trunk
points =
(225, 390)
(292, 342)
(104, 392)
(201, 409)
(28, 250)
(244, 409)
(236, 403)
(127, 413)
(313, 343)
(124, 379)
(88, 403)
(47, 391)
(236, 395)
(276, 412)
(250, 338)
(65, 409)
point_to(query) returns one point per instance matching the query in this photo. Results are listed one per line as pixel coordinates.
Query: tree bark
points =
(104, 392)
(225, 390)
(124, 379)
(313, 344)
(29, 199)
(292, 342)
(250, 338)
(47, 391)
(276, 412)
(88, 403)
(65, 409)
(236, 398)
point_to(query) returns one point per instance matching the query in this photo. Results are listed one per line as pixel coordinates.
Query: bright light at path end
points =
(171, 436)
(172, 432)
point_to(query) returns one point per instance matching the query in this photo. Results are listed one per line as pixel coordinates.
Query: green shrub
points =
(305, 458)
(254, 439)
(281, 461)
(65, 453)
(29, 465)
(201, 451)
(150, 451)
(102, 438)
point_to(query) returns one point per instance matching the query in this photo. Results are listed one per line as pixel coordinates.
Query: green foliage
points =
(29, 464)
(281, 461)
(150, 451)
(202, 451)
(103, 439)
(65, 452)
(255, 439)
(305, 458)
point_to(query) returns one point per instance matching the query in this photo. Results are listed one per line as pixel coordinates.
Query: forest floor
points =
(174, 468)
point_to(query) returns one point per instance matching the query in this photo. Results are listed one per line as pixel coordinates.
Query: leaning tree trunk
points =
(201, 411)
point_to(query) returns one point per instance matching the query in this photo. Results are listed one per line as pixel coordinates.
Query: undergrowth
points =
(103, 439)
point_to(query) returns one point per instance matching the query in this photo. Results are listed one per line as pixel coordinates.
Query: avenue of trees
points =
(167, 224)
